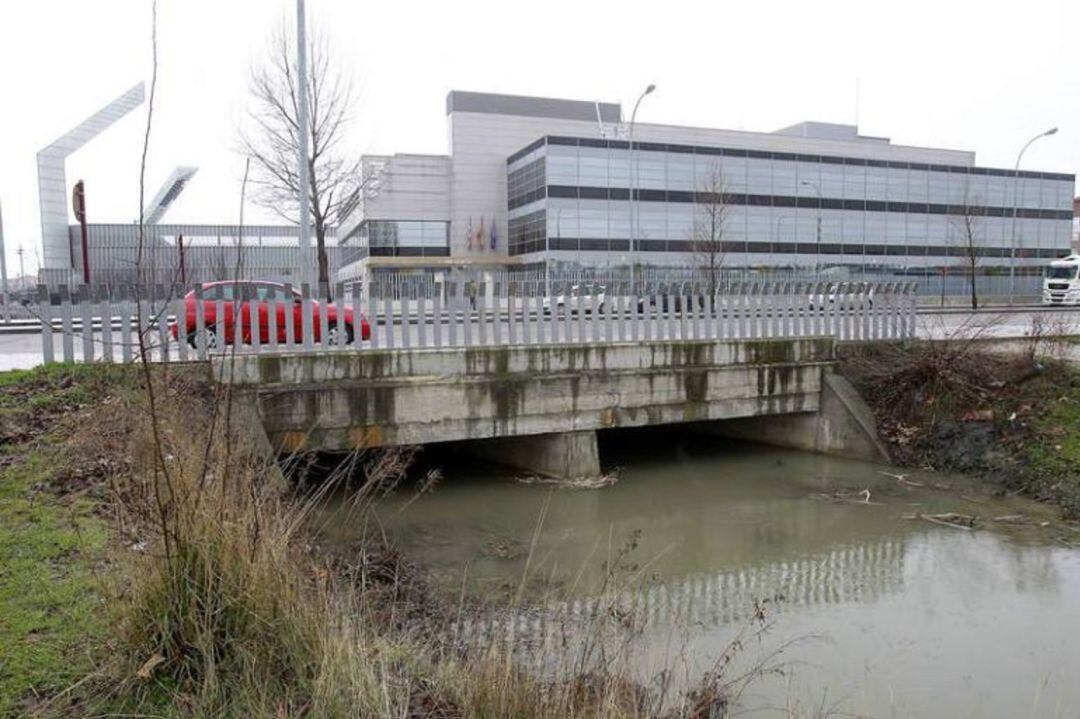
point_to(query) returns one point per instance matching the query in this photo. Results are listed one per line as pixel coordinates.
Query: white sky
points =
(981, 76)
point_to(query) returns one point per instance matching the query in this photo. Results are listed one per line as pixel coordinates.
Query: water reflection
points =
(917, 619)
(845, 574)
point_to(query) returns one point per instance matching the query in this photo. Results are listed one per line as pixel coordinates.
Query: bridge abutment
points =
(842, 426)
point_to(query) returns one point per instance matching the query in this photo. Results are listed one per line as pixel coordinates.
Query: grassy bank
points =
(52, 536)
(1012, 419)
(154, 563)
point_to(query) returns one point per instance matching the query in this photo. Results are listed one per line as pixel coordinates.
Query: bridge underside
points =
(535, 406)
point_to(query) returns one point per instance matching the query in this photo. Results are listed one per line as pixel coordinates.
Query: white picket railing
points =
(84, 327)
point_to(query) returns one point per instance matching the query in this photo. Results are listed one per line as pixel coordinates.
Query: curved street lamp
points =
(1016, 203)
(633, 172)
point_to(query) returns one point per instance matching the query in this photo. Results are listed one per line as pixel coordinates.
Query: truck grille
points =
(1058, 286)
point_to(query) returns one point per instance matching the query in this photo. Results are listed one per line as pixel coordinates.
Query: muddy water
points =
(871, 609)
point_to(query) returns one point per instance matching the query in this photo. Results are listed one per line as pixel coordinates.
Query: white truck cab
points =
(1060, 283)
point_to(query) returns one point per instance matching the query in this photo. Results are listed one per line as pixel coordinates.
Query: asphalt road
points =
(22, 350)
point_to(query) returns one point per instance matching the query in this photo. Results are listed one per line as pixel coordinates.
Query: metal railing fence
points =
(85, 326)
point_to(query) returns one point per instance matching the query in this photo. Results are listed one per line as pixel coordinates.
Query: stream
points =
(829, 571)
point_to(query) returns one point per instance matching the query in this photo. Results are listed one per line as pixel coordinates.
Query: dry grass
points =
(923, 380)
(223, 605)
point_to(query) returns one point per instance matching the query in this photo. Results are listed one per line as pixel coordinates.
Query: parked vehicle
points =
(845, 300)
(579, 298)
(255, 299)
(1061, 286)
(698, 301)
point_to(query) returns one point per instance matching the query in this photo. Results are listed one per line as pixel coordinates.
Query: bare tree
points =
(966, 231)
(272, 140)
(707, 237)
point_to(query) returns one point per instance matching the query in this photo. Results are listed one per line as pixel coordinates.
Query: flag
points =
(469, 235)
(480, 235)
(494, 234)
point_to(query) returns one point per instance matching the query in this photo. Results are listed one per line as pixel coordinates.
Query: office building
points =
(529, 182)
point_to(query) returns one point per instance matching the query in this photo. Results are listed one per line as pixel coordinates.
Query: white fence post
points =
(255, 332)
(288, 316)
(65, 324)
(127, 313)
(306, 319)
(481, 313)
(273, 304)
(87, 317)
(388, 319)
(45, 317)
(406, 309)
(179, 317)
(421, 317)
(104, 303)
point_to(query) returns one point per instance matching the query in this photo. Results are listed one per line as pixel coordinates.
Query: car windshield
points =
(1061, 273)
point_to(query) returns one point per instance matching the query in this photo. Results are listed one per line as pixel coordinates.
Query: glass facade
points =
(398, 238)
(780, 209)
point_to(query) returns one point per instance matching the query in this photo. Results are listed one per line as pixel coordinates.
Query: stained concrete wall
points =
(339, 401)
(843, 426)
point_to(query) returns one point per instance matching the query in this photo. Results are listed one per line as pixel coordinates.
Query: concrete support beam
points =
(843, 426)
(562, 455)
(337, 401)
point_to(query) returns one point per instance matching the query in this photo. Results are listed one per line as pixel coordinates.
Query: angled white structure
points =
(52, 181)
(167, 194)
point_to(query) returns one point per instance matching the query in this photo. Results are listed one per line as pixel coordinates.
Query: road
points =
(22, 350)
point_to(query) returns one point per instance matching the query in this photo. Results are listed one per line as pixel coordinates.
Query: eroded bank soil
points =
(1011, 420)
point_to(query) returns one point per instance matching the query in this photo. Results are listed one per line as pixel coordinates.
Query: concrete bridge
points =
(523, 372)
(538, 407)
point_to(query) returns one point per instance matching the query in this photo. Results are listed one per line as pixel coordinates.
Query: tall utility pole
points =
(1016, 204)
(302, 132)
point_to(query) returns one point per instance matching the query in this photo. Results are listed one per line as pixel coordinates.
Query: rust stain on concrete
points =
(368, 436)
(294, 441)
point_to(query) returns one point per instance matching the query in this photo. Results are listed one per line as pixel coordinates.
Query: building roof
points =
(828, 131)
(496, 104)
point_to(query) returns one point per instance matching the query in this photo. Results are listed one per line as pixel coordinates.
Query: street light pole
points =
(817, 250)
(302, 144)
(633, 176)
(1016, 204)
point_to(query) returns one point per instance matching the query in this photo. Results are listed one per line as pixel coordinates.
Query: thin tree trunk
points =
(974, 294)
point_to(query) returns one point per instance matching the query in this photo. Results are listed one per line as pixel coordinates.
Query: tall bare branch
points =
(966, 231)
(272, 141)
(707, 236)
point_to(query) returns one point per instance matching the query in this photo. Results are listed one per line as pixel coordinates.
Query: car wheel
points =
(209, 337)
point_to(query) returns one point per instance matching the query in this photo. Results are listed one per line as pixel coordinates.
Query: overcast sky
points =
(982, 76)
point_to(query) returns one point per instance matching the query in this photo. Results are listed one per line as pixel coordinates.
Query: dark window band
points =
(825, 203)
(433, 251)
(801, 248)
(787, 156)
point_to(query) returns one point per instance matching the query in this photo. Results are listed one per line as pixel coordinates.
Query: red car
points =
(259, 298)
